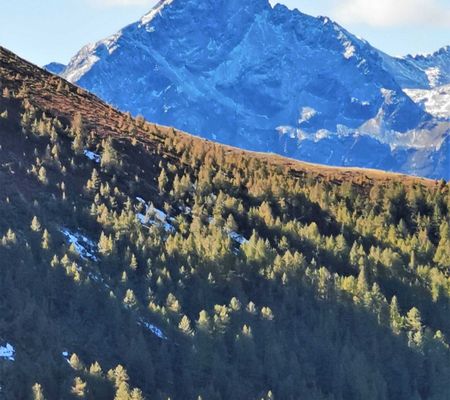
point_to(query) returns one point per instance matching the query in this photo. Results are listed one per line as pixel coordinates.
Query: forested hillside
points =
(137, 261)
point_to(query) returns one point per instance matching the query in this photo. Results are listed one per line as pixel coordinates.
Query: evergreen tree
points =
(185, 326)
(46, 240)
(442, 255)
(162, 181)
(79, 134)
(35, 225)
(110, 158)
(42, 176)
(38, 393)
(130, 299)
(79, 387)
(136, 394)
(414, 324)
(396, 320)
(95, 369)
(122, 392)
(133, 263)
(75, 363)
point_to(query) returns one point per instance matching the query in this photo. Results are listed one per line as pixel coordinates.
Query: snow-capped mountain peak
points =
(238, 70)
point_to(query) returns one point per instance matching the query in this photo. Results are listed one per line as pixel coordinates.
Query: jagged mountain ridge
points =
(426, 71)
(264, 78)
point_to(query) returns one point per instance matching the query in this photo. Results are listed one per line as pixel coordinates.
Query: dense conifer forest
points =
(138, 262)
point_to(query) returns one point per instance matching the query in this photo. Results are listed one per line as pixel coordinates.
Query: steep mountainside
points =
(266, 79)
(425, 79)
(139, 261)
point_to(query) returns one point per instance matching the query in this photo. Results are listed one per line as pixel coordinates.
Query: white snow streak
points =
(92, 156)
(84, 246)
(150, 213)
(7, 352)
(153, 329)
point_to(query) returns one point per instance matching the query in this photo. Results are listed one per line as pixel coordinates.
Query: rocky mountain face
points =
(271, 79)
(425, 79)
(421, 71)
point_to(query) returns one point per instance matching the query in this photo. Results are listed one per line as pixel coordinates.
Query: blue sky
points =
(54, 30)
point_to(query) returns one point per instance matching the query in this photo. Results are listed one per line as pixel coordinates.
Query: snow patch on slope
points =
(153, 329)
(84, 246)
(433, 75)
(66, 356)
(435, 101)
(92, 156)
(237, 237)
(306, 114)
(153, 216)
(7, 352)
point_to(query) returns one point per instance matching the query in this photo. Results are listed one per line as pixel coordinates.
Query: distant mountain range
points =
(421, 71)
(55, 68)
(276, 80)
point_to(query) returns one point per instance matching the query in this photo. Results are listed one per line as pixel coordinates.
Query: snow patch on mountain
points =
(66, 356)
(81, 63)
(84, 246)
(154, 216)
(7, 352)
(237, 237)
(306, 114)
(92, 156)
(349, 48)
(146, 19)
(434, 75)
(153, 329)
(435, 101)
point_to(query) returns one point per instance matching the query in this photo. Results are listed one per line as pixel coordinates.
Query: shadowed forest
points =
(137, 261)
